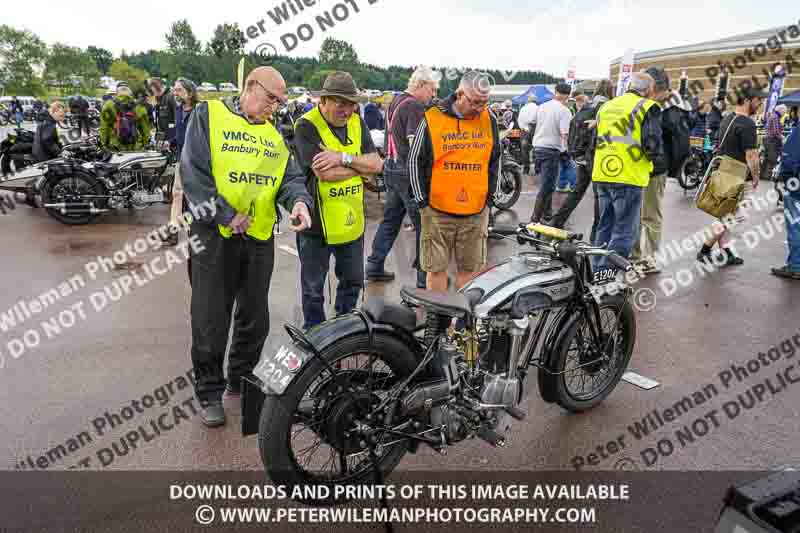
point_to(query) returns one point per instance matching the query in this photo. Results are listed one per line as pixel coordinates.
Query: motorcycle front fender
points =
(309, 346)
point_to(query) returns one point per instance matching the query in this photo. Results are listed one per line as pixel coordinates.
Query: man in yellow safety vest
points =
(235, 162)
(336, 152)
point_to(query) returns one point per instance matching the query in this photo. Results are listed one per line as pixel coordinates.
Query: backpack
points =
(126, 122)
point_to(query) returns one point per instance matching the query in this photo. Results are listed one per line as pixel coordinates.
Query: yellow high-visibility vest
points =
(618, 156)
(341, 203)
(248, 162)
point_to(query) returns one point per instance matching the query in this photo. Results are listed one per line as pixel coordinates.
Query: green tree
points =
(338, 54)
(102, 58)
(121, 71)
(228, 38)
(315, 81)
(181, 39)
(20, 53)
(69, 67)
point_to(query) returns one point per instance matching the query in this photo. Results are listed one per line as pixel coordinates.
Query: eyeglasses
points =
(272, 98)
(476, 105)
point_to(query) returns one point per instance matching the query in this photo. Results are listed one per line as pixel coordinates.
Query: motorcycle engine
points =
(455, 426)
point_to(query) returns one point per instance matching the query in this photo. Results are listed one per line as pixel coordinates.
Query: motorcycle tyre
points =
(72, 220)
(508, 204)
(555, 382)
(275, 423)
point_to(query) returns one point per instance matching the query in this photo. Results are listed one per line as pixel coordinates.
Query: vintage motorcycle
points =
(346, 400)
(88, 180)
(694, 167)
(16, 151)
(509, 182)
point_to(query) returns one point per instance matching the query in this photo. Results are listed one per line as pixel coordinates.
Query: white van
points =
(228, 87)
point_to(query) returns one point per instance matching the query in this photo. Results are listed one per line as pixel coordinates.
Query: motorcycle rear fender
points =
(319, 339)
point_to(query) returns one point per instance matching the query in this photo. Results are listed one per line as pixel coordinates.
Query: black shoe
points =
(212, 414)
(786, 272)
(704, 256)
(732, 260)
(422, 280)
(380, 276)
(171, 240)
(233, 389)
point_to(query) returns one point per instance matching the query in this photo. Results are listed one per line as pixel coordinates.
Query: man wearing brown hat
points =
(336, 152)
(236, 162)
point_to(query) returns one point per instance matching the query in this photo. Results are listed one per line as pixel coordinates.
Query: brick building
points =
(747, 58)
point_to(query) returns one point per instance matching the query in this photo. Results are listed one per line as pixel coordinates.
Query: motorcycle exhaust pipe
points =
(425, 396)
(76, 208)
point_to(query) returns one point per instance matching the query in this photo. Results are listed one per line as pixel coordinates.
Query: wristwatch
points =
(347, 160)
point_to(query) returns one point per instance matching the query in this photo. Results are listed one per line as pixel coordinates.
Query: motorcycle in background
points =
(509, 182)
(701, 152)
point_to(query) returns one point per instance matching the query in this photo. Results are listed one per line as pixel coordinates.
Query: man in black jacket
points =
(675, 149)
(79, 106)
(46, 144)
(165, 109)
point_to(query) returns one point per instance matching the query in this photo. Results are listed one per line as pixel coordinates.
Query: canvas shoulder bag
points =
(723, 183)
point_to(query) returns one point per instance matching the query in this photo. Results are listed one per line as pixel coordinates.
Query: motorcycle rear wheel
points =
(56, 191)
(574, 348)
(691, 173)
(314, 404)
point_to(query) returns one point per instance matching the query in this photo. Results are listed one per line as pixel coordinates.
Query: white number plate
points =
(276, 370)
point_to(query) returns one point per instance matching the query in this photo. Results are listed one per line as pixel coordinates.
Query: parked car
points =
(298, 91)
(228, 87)
(205, 86)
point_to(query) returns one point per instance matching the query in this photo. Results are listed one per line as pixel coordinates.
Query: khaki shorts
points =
(443, 235)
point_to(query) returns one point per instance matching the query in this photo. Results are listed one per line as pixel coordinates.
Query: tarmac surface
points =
(77, 376)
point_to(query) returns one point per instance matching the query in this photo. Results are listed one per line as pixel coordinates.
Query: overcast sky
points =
(504, 34)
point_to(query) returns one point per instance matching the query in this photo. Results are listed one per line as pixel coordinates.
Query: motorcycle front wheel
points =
(509, 187)
(691, 172)
(308, 435)
(584, 373)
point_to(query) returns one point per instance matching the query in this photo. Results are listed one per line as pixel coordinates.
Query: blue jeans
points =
(315, 256)
(548, 166)
(791, 211)
(620, 207)
(398, 203)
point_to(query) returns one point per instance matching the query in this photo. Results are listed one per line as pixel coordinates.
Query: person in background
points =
(790, 174)
(675, 142)
(507, 110)
(16, 111)
(79, 107)
(405, 113)
(453, 182)
(336, 152)
(773, 140)
(527, 123)
(550, 147)
(714, 118)
(698, 119)
(46, 143)
(237, 258)
(373, 117)
(794, 120)
(738, 142)
(580, 100)
(620, 173)
(580, 144)
(164, 109)
(124, 124)
(185, 92)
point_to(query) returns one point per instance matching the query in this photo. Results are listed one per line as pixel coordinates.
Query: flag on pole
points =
(775, 90)
(240, 75)
(625, 71)
(571, 68)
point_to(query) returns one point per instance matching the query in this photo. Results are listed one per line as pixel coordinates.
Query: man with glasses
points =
(453, 165)
(235, 161)
(336, 153)
(403, 118)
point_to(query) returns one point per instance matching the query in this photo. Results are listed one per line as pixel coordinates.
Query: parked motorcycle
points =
(695, 166)
(346, 400)
(509, 182)
(16, 151)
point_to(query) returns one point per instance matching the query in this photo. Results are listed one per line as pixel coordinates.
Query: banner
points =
(775, 90)
(625, 71)
(571, 68)
(240, 76)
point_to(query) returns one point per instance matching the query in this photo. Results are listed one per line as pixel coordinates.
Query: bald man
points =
(236, 161)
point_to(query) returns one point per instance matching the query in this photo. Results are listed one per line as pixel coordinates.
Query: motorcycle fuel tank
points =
(522, 281)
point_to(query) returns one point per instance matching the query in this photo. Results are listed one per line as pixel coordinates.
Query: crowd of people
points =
(250, 154)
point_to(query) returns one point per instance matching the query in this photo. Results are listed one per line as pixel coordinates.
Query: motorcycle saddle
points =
(381, 312)
(453, 304)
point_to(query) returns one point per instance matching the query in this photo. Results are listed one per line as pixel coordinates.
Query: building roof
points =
(737, 42)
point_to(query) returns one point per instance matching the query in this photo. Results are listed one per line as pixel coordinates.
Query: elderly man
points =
(628, 141)
(675, 142)
(403, 118)
(235, 160)
(453, 166)
(165, 109)
(336, 152)
(527, 123)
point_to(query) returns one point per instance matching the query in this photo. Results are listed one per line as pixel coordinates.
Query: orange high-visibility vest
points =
(461, 153)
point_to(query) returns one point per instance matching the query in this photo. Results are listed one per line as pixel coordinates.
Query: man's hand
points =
(240, 223)
(590, 124)
(326, 160)
(300, 213)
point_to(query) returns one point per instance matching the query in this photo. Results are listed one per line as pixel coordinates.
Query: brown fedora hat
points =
(341, 84)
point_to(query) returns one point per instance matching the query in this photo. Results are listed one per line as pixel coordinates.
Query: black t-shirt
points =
(742, 136)
(405, 117)
(306, 142)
